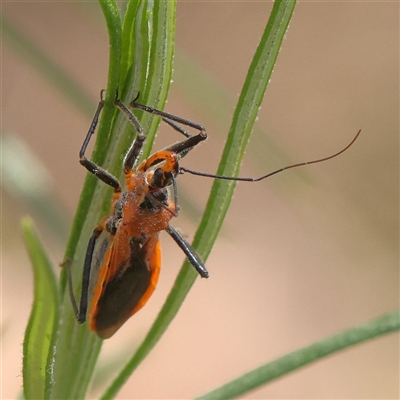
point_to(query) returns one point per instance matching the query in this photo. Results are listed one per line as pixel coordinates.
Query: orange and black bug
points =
(123, 257)
(128, 258)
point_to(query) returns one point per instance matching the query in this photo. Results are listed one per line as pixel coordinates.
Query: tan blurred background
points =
(301, 256)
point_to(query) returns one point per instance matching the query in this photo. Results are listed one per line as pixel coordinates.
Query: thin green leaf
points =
(160, 66)
(377, 327)
(136, 41)
(38, 336)
(245, 114)
(243, 120)
(157, 24)
(127, 35)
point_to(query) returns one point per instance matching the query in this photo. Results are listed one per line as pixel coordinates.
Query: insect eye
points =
(159, 178)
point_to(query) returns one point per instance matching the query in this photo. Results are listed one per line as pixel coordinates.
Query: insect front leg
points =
(189, 251)
(137, 146)
(93, 168)
(181, 148)
(168, 118)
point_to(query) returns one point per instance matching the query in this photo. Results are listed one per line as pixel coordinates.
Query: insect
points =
(123, 257)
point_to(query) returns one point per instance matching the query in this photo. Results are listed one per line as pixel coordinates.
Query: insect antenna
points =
(239, 179)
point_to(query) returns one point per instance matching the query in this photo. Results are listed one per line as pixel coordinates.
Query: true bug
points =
(124, 252)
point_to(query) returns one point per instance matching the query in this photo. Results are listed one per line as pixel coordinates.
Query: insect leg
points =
(137, 146)
(177, 127)
(80, 313)
(189, 251)
(183, 147)
(93, 168)
(170, 117)
(93, 126)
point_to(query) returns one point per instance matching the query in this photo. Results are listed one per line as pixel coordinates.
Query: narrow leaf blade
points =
(38, 335)
(379, 326)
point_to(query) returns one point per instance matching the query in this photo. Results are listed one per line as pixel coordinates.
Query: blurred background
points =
(301, 256)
